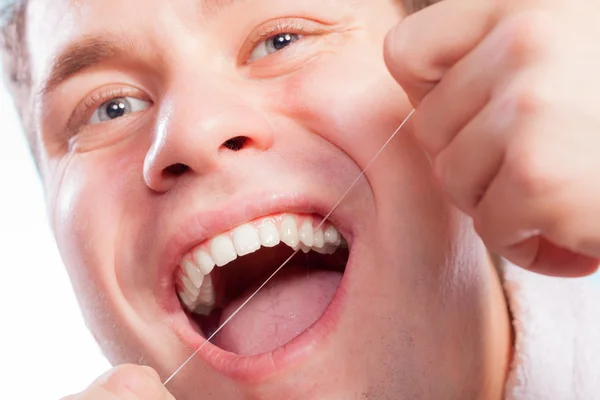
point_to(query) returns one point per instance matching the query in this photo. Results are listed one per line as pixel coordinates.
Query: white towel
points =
(557, 343)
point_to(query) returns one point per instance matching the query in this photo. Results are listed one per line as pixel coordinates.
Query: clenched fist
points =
(507, 109)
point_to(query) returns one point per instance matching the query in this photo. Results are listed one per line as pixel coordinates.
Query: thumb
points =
(126, 382)
(425, 45)
(402, 68)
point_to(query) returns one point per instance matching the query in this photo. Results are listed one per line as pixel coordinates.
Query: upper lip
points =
(206, 224)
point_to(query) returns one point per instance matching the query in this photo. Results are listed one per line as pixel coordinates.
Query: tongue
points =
(282, 310)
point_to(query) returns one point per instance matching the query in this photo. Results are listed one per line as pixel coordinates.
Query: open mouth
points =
(216, 277)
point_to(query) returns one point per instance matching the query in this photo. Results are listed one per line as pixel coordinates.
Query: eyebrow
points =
(211, 6)
(90, 51)
(85, 53)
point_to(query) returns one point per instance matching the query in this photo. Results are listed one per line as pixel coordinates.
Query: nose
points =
(198, 130)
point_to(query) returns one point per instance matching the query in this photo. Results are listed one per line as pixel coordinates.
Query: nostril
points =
(176, 169)
(237, 143)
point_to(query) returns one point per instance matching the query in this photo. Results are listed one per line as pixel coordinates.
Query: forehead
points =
(54, 24)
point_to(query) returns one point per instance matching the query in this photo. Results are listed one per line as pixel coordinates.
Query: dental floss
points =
(295, 252)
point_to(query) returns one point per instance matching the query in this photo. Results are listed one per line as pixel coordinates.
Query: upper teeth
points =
(195, 284)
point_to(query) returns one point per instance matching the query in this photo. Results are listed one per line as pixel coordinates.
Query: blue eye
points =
(273, 44)
(117, 108)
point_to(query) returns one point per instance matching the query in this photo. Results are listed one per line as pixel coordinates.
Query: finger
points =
(507, 227)
(475, 79)
(468, 164)
(420, 49)
(540, 255)
(520, 198)
(539, 210)
(127, 382)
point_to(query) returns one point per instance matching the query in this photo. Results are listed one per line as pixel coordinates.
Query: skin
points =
(126, 382)
(532, 187)
(315, 114)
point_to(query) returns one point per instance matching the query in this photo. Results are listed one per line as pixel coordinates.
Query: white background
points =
(46, 351)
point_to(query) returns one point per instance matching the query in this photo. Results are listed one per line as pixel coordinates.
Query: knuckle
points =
(529, 101)
(526, 35)
(531, 170)
(527, 98)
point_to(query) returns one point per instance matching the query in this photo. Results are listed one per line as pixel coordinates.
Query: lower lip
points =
(253, 369)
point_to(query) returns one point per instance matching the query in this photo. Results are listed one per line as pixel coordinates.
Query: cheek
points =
(349, 99)
(88, 208)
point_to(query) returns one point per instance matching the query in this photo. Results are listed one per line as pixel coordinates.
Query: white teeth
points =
(245, 240)
(268, 234)
(191, 290)
(204, 261)
(207, 286)
(204, 309)
(320, 250)
(198, 300)
(319, 239)
(195, 287)
(306, 233)
(195, 275)
(289, 231)
(186, 300)
(206, 297)
(222, 250)
(332, 236)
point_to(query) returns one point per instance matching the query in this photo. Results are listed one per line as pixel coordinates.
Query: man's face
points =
(180, 134)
